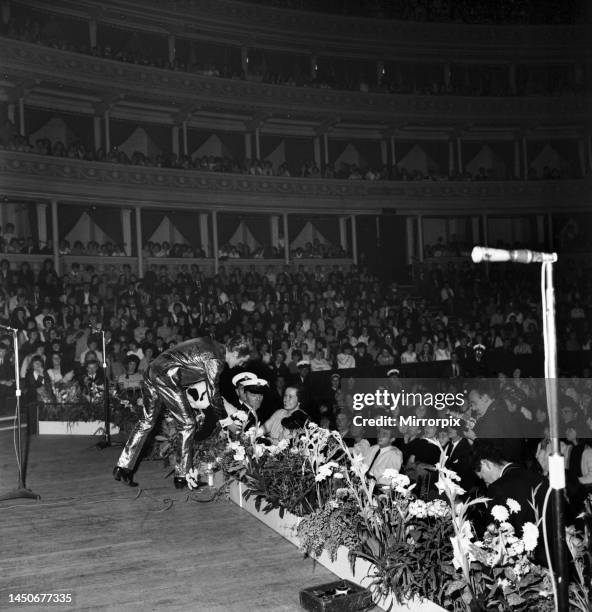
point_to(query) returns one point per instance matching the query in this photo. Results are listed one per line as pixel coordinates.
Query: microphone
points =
(523, 256)
(12, 329)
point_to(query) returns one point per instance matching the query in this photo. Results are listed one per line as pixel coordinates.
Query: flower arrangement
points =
(419, 548)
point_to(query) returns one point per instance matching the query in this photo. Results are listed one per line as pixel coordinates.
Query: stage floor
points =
(90, 537)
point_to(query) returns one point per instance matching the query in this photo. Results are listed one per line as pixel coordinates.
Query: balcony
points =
(59, 72)
(37, 177)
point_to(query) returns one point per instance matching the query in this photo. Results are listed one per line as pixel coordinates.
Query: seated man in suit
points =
(506, 480)
(459, 456)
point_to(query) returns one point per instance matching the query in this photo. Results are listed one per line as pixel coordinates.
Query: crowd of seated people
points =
(48, 31)
(323, 323)
(10, 140)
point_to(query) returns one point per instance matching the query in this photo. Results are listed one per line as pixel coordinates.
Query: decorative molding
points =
(20, 60)
(37, 177)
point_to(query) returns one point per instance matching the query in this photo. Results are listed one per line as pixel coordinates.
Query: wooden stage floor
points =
(90, 536)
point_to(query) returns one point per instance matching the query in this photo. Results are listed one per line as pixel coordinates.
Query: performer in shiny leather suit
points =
(168, 381)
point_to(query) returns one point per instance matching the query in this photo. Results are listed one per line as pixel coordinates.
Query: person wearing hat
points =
(255, 390)
(167, 382)
(237, 414)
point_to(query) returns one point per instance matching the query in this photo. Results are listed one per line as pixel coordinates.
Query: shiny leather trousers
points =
(155, 392)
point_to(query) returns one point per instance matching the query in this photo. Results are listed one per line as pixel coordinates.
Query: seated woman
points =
(63, 385)
(131, 381)
(283, 422)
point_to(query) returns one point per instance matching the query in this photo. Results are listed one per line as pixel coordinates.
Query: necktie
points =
(373, 462)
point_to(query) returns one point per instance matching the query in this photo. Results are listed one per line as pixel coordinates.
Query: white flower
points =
(283, 445)
(259, 450)
(192, 478)
(418, 508)
(506, 528)
(444, 471)
(500, 513)
(358, 465)
(451, 489)
(337, 475)
(517, 548)
(513, 505)
(438, 508)
(239, 415)
(390, 473)
(325, 470)
(530, 536)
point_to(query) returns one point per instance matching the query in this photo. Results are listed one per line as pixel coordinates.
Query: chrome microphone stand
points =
(106, 441)
(21, 491)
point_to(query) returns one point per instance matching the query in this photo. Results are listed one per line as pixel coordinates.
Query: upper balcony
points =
(49, 75)
(36, 177)
(249, 24)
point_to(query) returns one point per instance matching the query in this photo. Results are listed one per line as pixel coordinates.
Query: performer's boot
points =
(180, 482)
(124, 474)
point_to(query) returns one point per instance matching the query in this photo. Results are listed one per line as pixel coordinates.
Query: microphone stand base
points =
(103, 444)
(19, 493)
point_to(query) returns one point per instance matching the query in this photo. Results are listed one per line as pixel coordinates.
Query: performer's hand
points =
(230, 409)
(192, 478)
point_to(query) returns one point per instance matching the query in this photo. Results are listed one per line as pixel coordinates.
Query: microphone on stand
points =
(523, 256)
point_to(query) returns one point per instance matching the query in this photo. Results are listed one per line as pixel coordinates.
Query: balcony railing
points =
(26, 175)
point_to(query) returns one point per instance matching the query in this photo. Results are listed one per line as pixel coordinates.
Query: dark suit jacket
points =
(459, 460)
(501, 425)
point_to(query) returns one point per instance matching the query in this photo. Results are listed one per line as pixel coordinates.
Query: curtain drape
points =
(188, 225)
(227, 225)
(295, 225)
(151, 219)
(109, 220)
(328, 226)
(68, 217)
(259, 227)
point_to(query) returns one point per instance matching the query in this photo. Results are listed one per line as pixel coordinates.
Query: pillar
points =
(245, 59)
(107, 133)
(274, 230)
(475, 233)
(582, 155)
(450, 157)
(258, 143)
(313, 67)
(343, 233)
(589, 139)
(459, 154)
(420, 236)
(139, 245)
(185, 143)
(22, 116)
(516, 157)
(485, 230)
(204, 235)
(550, 230)
(248, 148)
(447, 74)
(326, 146)
(41, 223)
(383, 152)
(175, 139)
(540, 229)
(410, 240)
(97, 132)
(55, 235)
(354, 237)
(10, 111)
(512, 79)
(92, 33)
(524, 158)
(393, 151)
(5, 12)
(171, 43)
(316, 143)
(126, 229)
(215, 239)
(286, 240)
